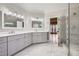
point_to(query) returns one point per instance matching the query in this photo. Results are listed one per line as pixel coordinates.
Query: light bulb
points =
(15, 14)
(9, 13)
(18, 15)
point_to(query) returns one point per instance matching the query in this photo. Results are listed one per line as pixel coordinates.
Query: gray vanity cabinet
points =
(39, 37)
(12, 47)
(44, 36)
(3, 49)
(27, 39)
(21, 43)
(3, 46)
(12, 44)
(15, 43)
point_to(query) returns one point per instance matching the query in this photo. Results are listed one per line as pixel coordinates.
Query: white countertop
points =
(3, 34)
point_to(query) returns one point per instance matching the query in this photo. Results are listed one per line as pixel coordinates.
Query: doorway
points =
(54, 31)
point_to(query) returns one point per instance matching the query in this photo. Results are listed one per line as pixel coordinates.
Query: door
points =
(53, 30)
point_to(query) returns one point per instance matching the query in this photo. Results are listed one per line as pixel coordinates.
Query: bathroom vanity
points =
(12, 43)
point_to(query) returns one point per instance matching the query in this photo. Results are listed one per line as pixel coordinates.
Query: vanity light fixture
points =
(9, 13)
(22, 16)
(18, 15)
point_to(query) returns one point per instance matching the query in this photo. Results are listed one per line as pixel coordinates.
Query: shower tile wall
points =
(74, 28)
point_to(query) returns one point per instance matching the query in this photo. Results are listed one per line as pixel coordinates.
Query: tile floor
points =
(44, 49)
(74, 50)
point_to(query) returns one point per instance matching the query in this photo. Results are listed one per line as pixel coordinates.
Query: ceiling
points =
(42, 7)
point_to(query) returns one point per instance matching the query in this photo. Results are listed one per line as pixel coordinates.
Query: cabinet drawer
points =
(14, 37)
(3, 39)
(37, 33)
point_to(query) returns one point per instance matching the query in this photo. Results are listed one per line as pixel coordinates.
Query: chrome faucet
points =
(11, 32)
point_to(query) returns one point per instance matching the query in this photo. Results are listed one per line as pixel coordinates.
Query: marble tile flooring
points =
(44, 49)
(74, 50)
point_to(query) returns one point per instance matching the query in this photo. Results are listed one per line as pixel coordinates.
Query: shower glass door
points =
(74, 29)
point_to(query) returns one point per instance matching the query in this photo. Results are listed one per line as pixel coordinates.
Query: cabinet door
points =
(27, 39)
(3, 49)
(39, 37)
(35, 39)
(44, 37)
(15, 45)
(20, 43)
(12, 47)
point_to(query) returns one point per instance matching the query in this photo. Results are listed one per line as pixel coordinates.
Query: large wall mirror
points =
(11, 21)
(36, 24)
